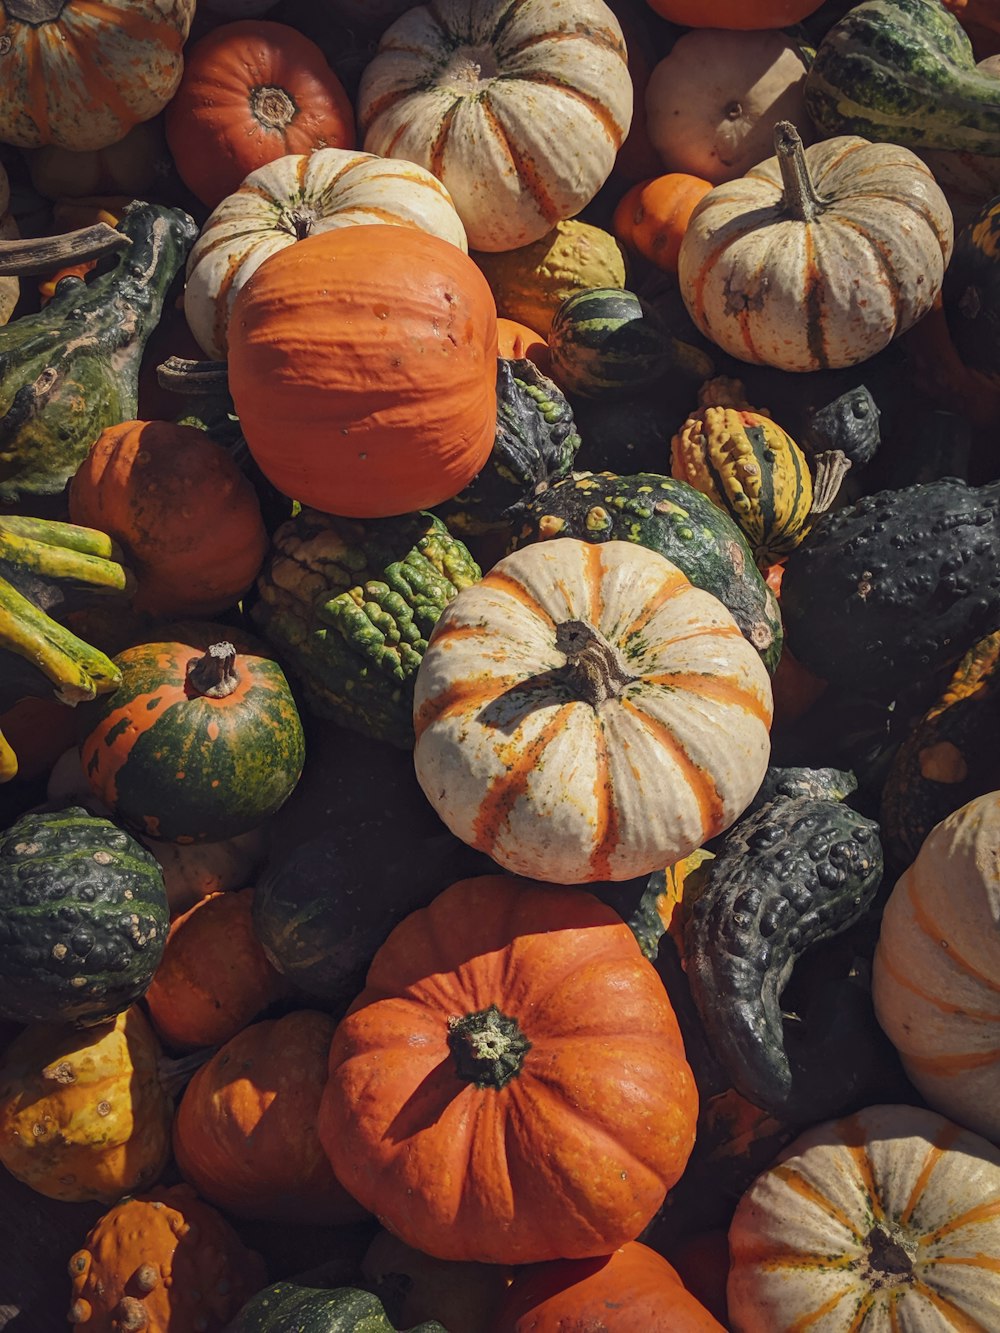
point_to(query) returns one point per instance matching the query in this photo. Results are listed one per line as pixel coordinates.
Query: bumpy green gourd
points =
(293, 1307)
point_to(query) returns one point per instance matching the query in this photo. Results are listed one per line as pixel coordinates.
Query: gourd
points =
(971, 292)
(651, 218)
(294, 1307)
(84, 1114)
(484, 1014)
(935, 974)
(414, 1286)
(349, 607)
(252, 91)
(127, 169)
(387, 415)
(84, 918)
(818, 257)
(903, 71)
(295, 196)
(672, 518)
(198, 743)
(889, 1214)
(72, 369)
(82, 79)
(520, 114)
(572, 679)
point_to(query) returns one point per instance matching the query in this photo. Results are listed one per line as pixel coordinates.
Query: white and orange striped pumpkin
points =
(298, 196)
(818, 257)
(886, 1221)
(519, 109)
(80, 74)
(584, 713)
(936, 973)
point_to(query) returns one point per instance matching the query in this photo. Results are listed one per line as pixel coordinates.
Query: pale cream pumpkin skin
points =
(298, 196)
(887, 1221)
(521, 762)
(936, 973)
(81, 75)
(804, 278)
(519, 109)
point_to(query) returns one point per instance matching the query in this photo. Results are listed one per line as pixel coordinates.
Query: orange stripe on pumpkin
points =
(802, 1187)
(863, 1166)
(461, 697)
(121, 18)
(815, 1316)
(929, 926)
(593, 573)
(603, 37)
(972, 1217)
(608, 833)
(506, 583)
(794, 1259)
(435, 160)
(521, 759)
(986, 1261)
(956, 1319)
(37, 96)
(717, 688)
(941, 1141)
(672, 585)
(527, 172)
(947, 1066)
(710, 807)
(907, 982)
(597, 108)
(100, 88)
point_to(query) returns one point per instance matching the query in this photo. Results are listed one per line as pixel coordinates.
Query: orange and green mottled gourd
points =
(511, 1085)
(194, 745)
(83, 1113)
(161, 1262)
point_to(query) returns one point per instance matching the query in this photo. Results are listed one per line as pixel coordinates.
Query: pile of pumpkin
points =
(499, 565)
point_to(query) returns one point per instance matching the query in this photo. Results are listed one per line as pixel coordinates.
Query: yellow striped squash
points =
(584, 713)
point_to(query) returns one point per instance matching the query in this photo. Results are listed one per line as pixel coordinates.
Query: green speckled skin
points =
(674, 519)
(285, 1307)
(83, 918)
(903, 71)
(607, 343)
(349, 606)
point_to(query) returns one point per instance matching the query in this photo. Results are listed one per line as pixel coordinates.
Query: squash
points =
(194, 871)
(213, 978)
(83, 1114)
(484, 1014)
(415, 1286)
(186, 518)
(572, 679)
(818, 257)
(84, 918)
(161, 1259)
(887, 1215)
(971, 293)
(293, 197)
(252, 91)
(244, 1134)
(82, 79)
(650, 219)
(519, 114)
(196, 744)
(712, 102)
(735, 13)
(903, 72)
(516, 342)
(130, 169)
(293, 1306)
(935, 975)
(386, 415)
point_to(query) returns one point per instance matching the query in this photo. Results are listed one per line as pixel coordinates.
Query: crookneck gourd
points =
(72, 369)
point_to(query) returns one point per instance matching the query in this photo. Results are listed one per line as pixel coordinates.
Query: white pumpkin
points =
(936, 973)
(298, 196)
(519, 109)
(818, 257)
(886, 1221)
(584, 713)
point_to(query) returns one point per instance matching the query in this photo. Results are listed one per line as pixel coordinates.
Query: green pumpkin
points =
(288, 1307)
(83, 918)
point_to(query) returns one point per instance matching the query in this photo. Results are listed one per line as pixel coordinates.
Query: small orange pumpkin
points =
(652, 217)
(515, 340)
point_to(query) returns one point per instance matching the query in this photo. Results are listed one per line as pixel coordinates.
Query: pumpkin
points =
(735, 13)
(196, 745)
(651, 218)
(194, 871)
(889, 1217)
(633, 1290)
(130, 167)
(516, 342)
(362, 365)
(213, 978)
(935, 977)
(293, 1306)
(520, 114)
(244, 1134)
(293, 197)
(83, 1114)
(607, 343)
(817, 258)
(185, 516)
(415, 1286)
(483, 1017)
(712, 102)
(971, 293)
(570, 682)
(252, 91)
(161, 1260)
(38, 731)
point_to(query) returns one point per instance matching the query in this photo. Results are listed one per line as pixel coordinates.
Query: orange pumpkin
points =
(418, 1287)
(516, 340)
(213, 978)
(652, 217)
(252, 91)
(38, 730)
(244, 1133)
(511, 1085)
(362, 364)
(185, 516)
(633, 1290)
(743, 14)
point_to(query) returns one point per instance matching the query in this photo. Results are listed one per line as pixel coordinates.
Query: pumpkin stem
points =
(830, 468)
(489, 1048)
(887, 1255)
(800, 199)
(214, 675)
(594, 667)
(178, 374)
(272, 107)
(34, 11)
(22, 258)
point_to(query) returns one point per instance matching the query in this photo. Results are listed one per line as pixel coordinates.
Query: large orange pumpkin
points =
(511, 1085)
(362, 365)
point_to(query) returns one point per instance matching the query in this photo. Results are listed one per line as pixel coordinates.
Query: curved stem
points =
(23, 258)
(214, 676)
(178, 374)
(593, 667)
(800, 198)
(829, 470)
(489, 1048)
